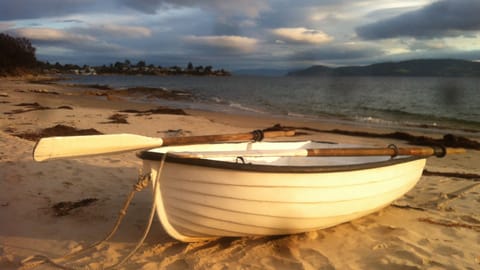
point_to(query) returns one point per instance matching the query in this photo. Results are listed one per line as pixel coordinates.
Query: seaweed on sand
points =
(117, 118)
(58, 130)
(64, 208)
(448, 140)
(159, 110)
(35, 106)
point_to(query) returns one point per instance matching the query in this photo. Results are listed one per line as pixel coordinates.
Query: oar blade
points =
(78, 146)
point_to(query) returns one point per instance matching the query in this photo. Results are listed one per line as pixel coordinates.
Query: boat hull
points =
(198, 201)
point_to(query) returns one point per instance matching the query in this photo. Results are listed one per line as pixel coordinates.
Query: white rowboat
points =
(252, 191)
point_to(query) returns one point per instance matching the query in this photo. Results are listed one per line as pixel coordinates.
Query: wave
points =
(245, 108)
(393, 117)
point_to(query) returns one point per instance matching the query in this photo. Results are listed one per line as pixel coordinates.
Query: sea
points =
(447, 103)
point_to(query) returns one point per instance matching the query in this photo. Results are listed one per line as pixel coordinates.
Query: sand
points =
(434, 226)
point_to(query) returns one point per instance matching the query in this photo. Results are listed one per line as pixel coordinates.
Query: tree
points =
(118, 66)
(199, 69)
(16, 53)
(141, 64)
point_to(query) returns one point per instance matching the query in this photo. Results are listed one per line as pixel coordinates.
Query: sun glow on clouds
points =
(5, 26)
(49, 34)
(392, 3)
(124, 31)
(65, 41)
(302, 35)
(237, 44)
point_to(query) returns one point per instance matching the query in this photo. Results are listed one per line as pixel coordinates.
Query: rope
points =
(143, 180)
(150, 220)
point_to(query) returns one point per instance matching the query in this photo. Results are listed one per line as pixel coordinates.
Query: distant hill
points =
(421, 67)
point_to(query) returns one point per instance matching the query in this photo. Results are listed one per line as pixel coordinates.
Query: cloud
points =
(27, 9)
(5, 26)
(226, 28)
(245, 8)
(145, 6)
(439, 19)
(50, 37)
(223, 44)
(257, 32)
(117, 31)
(301, 35)
(72, 21)
(338, 52)
(428, 45)
(433, 54)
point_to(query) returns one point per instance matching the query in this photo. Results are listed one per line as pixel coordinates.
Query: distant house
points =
(87, 71)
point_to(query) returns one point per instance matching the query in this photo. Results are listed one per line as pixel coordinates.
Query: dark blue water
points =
(409, 101)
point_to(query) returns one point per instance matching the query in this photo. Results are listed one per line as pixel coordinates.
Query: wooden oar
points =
(327, 152)
(78, 146)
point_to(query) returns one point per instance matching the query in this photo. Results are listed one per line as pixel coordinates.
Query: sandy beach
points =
(434, 226)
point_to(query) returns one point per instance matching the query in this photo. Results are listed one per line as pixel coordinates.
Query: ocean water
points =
(434, 102)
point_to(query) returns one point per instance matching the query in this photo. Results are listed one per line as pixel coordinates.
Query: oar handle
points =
(326, 152)
(256, 135)
(438, 151)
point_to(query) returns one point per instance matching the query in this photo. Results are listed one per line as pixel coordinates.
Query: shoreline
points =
(435, 225)
(406, 120)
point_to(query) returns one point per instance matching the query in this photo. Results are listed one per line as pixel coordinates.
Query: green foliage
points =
(16, 55)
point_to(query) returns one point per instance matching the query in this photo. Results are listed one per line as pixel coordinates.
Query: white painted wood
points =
(77, 146)
(198, 202)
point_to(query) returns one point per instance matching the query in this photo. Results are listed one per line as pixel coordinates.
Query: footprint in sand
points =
(177, 264)
(276, 262)
(315, 259)
(449, 251)
(382, 245)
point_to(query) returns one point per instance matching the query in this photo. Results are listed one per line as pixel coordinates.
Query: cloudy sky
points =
(236, 34)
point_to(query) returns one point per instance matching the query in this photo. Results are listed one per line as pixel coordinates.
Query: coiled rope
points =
(59, 262)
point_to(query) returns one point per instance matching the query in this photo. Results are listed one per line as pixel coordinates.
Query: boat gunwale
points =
(249, 167)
